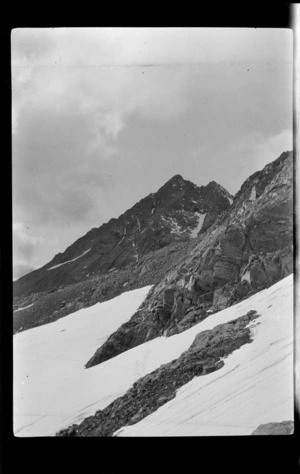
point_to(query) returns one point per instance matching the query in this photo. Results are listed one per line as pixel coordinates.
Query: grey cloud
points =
(30, 43)
(91, 141)
(20, 269)
(52, 173)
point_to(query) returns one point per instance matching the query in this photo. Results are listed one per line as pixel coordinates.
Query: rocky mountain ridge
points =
(241, 239)
(249, 247)
(134, 250)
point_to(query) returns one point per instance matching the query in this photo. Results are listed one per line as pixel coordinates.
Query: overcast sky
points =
(101, 117)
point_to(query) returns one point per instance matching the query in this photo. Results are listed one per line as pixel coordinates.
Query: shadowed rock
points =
(138, 248)
(157, 388)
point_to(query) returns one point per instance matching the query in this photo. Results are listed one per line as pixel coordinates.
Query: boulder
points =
(275, 428)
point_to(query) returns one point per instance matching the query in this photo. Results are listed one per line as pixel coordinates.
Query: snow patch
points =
(136, 255)
(68, 261)
(190, 283)
(200, 219)
(175, 228)
(51, 386)
(24, 307)
(246, 276)
(253, 194)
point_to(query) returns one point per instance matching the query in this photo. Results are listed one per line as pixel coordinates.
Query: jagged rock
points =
(246, 249)
(221, 298)
(135, 250)
(242, 289)
(167, 216)
(155, 389)
(276, 428)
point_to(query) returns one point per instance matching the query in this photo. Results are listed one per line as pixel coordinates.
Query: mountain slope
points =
(135, 250)
(247, 248)
(170, 215)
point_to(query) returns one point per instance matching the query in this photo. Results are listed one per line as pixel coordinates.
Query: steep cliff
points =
(247, 248)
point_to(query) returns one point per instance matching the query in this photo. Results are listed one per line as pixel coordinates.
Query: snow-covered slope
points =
(254, 387)
(51, 386)
(52, 390)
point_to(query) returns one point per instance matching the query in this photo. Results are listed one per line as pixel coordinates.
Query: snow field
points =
(255, 386)
(53, 390)
(51, 386)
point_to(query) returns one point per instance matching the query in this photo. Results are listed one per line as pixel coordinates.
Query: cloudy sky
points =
(101, 117)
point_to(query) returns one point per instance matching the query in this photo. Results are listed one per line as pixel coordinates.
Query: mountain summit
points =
(248, 248)
(141, 244)
(189, 350)
(201, 249)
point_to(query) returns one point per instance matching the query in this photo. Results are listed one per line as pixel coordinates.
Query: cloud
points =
(80, 95)
(273, 146)
(20, 269)
(28, 249)
(68, 116)
(253, 153)
(52, 172)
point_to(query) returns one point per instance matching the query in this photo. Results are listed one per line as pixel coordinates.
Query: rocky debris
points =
(168, 216)
(249, 247)
(276, 428)
(158, 387)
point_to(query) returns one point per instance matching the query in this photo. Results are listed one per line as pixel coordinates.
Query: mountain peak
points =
(176, 179)
(214, 185)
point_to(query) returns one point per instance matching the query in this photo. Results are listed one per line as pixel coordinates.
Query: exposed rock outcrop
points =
(249, 247)
(157, 388)
(170, 215)
(135, 250)
(275, 428)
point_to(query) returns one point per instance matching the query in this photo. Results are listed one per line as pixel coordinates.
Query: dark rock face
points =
(279, 428)
(136, 249)
(168, 216)
(249, 247)
(240, 249)
(157, 388)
